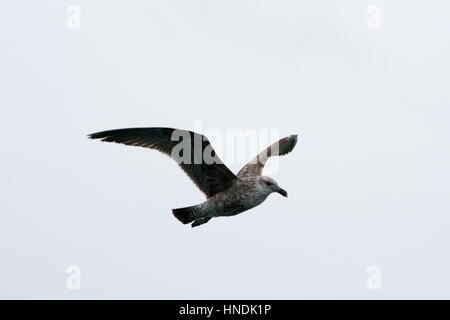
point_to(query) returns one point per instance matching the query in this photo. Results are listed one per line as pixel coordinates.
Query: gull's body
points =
(227, 194)
(245, 194)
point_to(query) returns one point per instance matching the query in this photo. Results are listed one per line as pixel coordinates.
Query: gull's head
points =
(271, 185)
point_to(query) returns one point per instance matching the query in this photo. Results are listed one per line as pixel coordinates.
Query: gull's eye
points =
(268, 183)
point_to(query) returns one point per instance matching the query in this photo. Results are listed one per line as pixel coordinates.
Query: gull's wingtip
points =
(97, 135)
(92, 136)
(294, 139)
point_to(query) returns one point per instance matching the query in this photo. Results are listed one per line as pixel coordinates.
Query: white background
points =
(368, 181)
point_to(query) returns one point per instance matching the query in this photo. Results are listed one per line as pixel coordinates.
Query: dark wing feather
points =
(279, 148)
(211, 178)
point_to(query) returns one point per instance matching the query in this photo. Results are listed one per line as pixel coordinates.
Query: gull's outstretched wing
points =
(279, 148)
(204, 168)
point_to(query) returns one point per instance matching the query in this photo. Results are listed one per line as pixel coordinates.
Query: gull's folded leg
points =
(201, 221)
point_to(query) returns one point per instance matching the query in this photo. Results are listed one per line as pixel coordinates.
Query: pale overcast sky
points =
(368, 181)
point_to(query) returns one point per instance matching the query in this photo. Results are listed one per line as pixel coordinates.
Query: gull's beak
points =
(282, 192)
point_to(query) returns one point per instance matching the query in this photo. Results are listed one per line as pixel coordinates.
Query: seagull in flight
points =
(227, 194)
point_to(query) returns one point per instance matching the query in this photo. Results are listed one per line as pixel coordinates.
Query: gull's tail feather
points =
(187, 214)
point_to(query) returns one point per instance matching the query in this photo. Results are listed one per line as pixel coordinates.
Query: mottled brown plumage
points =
(279, 148)
(227, 194)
